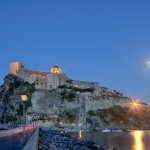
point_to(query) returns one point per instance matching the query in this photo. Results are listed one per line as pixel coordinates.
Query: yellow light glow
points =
(24, 97)
(138, 137)
(135, 104)
(56, 69)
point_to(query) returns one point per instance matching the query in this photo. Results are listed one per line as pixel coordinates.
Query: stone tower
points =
(14, 67)
(55, 78)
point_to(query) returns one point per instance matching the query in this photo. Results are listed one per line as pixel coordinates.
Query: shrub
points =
(10, 118)
(17, 84)
(92, 113)
(71, 96)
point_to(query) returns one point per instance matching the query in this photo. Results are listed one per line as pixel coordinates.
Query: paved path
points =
(12, 139)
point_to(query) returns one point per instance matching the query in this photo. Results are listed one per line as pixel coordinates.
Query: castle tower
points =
(54, 78)
(14, 67)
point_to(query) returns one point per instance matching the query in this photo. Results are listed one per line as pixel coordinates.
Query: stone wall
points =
(44, 101)
(83, 84)
(52, 81)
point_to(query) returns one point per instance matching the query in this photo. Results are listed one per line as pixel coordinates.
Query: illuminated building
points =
(48, 80)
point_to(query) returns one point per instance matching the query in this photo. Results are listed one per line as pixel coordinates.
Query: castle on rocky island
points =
(48, 80)
(71, 101)
(100, 98)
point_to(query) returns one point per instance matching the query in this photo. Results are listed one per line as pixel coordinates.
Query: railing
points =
(32, 144)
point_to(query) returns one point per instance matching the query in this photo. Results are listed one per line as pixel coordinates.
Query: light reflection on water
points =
(80, 134)
(138, 140)
(134, 140)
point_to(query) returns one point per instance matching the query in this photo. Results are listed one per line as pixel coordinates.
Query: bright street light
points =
(24, 98)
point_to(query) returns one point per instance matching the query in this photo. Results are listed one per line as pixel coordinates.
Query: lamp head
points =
(24, 96)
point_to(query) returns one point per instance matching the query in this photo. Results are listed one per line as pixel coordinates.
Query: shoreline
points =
(57, 140)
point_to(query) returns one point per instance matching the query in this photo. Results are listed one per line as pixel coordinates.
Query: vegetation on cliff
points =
(121, 116)
(10, 101)
(68, 95)
(69, 116)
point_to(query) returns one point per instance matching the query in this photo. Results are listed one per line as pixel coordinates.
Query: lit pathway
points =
(12, 139)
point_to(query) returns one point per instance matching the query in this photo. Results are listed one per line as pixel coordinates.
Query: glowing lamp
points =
(24, 96)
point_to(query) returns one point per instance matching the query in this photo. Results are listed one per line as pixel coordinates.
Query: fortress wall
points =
(46, 80)
(41, 83)
(52, 81)
(27, 72)
(62, 78)
(83, 84)
(44, 102)
(30, 79)
(92, 104)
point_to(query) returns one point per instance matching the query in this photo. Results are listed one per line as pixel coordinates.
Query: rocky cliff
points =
(10, 101)
(88, 107)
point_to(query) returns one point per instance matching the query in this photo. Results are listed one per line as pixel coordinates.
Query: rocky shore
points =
(56, 140)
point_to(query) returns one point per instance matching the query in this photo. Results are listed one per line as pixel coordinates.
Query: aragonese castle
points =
(48, 80)
(60, 98)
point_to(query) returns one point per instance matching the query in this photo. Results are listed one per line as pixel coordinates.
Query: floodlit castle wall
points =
(45, 80)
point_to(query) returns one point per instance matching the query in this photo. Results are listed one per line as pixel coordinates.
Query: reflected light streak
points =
(80, 134)
(138, 137)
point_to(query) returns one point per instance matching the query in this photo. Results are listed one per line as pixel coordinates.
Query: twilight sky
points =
(92, 40)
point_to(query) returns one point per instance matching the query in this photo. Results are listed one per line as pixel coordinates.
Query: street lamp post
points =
(24, 98)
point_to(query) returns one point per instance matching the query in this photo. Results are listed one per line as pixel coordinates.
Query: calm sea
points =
(134, 140)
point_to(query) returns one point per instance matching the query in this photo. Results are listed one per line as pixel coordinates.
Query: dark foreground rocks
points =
(55, 140)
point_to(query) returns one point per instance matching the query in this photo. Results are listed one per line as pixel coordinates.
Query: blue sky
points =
(104, 41)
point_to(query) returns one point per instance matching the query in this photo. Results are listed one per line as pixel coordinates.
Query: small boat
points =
(106, 130)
